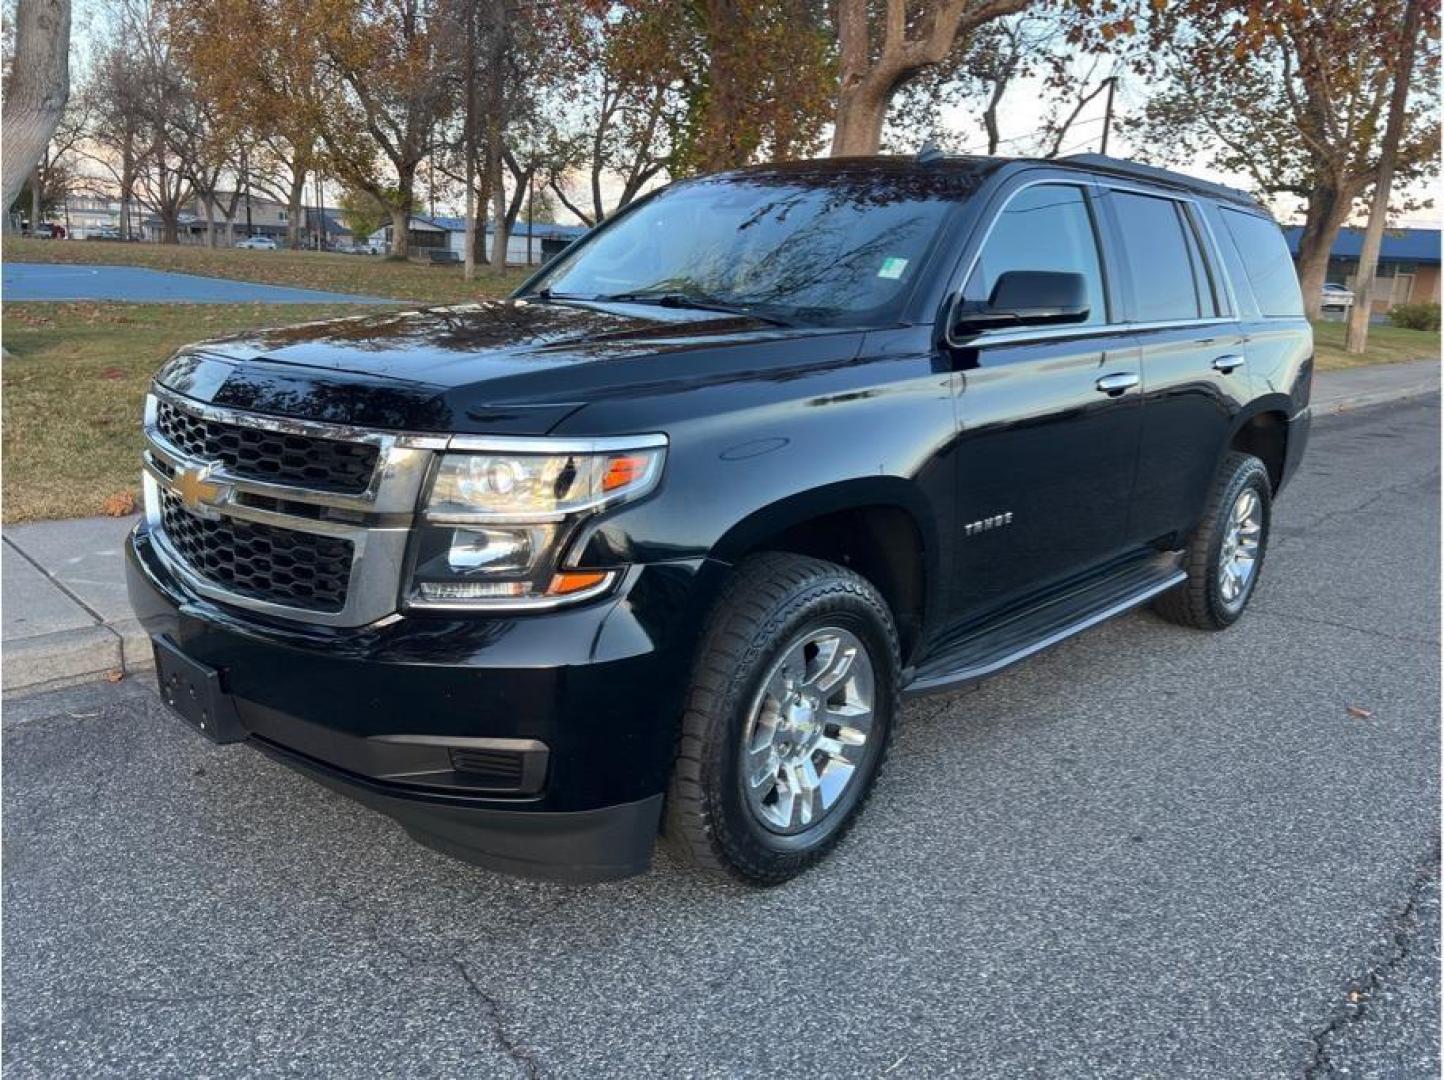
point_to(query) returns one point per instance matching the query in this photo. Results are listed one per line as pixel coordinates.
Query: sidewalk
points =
(1354, 388)
(66, 618)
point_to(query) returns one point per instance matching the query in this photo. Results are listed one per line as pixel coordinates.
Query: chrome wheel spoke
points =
(834, 660)
(807, 734)
(1241, 545)
(834, 778)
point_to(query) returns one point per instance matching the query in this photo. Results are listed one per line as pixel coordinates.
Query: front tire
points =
(787, 721)
(1226, 552)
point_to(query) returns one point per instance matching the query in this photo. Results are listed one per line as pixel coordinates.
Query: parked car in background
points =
(1337, 297)
(662, 539)
(258, 243)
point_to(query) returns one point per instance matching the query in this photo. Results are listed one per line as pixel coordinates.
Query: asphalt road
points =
(1148, 853)
(46, 281)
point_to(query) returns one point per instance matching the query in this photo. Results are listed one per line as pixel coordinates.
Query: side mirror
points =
(1026, 298)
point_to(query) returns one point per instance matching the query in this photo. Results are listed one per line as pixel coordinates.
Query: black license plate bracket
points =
(194, 693)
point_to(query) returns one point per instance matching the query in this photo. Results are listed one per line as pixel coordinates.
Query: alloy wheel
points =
(807, 733)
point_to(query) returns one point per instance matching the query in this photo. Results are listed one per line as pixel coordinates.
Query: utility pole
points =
(1356, 340)
(1108, 114)
(530, 212)
(320, 209)
(246, 181)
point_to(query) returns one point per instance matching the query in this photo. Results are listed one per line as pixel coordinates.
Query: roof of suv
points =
(975, 168)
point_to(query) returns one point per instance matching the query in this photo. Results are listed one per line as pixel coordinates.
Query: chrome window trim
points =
(1042, 333)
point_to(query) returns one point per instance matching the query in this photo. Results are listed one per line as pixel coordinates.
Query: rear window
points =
(1266, 261)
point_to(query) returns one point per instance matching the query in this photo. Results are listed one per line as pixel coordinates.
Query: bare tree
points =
(36, 89)
(879, 55)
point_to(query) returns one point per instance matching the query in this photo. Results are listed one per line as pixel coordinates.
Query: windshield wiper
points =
(692, 300)
(547, 294)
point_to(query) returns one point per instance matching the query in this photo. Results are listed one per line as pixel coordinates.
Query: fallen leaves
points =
(1358, 712)
(114, 675)
(121, 504)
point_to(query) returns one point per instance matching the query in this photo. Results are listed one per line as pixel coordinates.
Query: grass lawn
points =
(73, 387)
(367, 275)
(1387, 345)
(77, 373)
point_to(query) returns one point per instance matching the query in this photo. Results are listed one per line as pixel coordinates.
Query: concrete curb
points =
(78, 564)
(1376, 397)
(60, 659)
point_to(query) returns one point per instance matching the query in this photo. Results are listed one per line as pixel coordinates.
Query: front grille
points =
(279, 566)
(344, 468)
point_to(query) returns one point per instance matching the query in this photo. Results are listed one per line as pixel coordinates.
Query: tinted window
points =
(1266, 261)
(1209, 301)
(1165, 272)
(837, 247)
(1047, 227)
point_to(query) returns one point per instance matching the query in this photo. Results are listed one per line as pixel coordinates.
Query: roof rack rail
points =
(1124, 167)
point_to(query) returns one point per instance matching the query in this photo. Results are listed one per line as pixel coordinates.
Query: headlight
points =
(498, 519)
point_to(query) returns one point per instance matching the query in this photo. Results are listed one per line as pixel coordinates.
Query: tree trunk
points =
(468, 244)
(1357, 338)
(296, 210)
(37, 89)
(500, 234)
(861, 113)
(1327, 211)
(169, 226)
(401, 230)
(37, 201)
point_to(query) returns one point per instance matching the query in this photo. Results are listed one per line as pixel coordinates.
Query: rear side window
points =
(1266, 261)
(1047, 227)
(1166, 272)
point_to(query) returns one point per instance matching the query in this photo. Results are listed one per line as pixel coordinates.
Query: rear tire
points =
(1225, 555)
(787, 720)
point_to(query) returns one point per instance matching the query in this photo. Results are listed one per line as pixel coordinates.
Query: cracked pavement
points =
(1149, 852)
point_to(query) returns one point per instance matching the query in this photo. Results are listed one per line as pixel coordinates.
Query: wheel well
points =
(1264, 436)
(882, 543)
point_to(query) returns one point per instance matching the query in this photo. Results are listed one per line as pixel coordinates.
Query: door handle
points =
(1115, 384)
(1226, 364)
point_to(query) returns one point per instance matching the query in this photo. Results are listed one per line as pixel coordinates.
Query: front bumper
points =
(380, 713)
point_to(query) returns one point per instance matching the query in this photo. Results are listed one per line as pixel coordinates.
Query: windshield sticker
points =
(893, 267)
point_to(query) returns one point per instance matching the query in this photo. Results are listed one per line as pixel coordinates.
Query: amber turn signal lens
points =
(624, 471)
(570, 581)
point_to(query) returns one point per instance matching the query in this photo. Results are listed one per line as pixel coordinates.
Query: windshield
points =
(812, 248)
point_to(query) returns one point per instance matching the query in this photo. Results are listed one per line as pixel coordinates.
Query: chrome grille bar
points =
(376, 522)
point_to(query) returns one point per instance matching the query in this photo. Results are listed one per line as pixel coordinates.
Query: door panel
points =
(1189, 405)
(1046, 463)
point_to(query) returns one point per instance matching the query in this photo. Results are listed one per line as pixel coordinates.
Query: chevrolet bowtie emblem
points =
(197, 491)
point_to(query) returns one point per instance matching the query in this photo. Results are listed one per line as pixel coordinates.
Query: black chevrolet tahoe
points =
(659, 543)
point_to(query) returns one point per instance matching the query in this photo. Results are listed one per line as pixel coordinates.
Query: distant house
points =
(430, 233)
(253, 215)
(335, 233)
(1408, 269)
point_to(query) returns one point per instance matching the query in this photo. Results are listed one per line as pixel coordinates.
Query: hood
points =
(506, 367)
